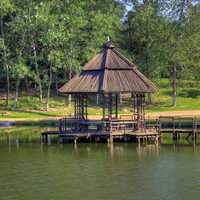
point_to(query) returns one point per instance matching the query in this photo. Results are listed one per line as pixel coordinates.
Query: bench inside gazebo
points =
(109, 74)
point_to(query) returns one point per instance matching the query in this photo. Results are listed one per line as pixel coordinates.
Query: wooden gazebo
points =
(109, 74)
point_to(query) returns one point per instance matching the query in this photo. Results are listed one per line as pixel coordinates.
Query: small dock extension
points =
(177, 126)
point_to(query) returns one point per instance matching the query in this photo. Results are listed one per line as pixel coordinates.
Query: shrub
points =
(189, 93)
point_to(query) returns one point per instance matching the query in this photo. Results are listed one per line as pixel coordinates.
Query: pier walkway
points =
(99, 130)
(126, 130)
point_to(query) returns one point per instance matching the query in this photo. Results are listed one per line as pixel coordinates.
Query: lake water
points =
(33, 171)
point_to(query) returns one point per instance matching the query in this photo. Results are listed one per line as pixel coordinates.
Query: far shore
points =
(149, 116)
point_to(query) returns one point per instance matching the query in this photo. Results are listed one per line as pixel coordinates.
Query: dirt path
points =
(186, 113)
(156, 115)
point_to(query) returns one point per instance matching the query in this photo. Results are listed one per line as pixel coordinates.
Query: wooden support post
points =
(143, 111)
(138, 140)
(82, 106)
(78, 106)
(137, 111)
(116, 106)
(46, 138)
(111, 138)
(194, 129)
(159, 125)
(110, 105)
(103, 109)
(175, 135)
(49, 140)
(75, 140)
(156, 139)
(125, 138)
(97, 139)
(135, 107)
(41, 139)
(86, 107)
(174, 132)
(143, 140)
(75, 106)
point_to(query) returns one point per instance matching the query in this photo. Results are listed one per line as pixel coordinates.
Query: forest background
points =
(44, 43)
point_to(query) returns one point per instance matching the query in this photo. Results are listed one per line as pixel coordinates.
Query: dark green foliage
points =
(189, 92)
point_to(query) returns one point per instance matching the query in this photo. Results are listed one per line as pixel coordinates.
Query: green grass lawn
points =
(188, 96)
(29, 107)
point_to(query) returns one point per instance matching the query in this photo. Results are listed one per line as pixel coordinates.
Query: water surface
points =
(30, 170)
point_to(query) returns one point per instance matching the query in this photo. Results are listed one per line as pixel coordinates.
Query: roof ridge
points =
(135, 69)
(123, 57)
(107, 54)
(103, 68)
(144, 79)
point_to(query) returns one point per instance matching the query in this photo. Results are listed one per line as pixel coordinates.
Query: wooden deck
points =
(125, 130)
(129, 135)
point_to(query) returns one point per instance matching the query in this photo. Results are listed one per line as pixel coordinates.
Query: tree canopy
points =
(43, 43)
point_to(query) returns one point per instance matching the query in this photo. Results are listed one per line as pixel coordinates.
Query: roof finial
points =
(108, 43)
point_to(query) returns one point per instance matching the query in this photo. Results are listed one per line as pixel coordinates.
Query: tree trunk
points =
(147, 57)
(16, 94)
(71, 55)
(149, 98)
(27, 85)
(56, 84)
(97, 99)
(5, 64)
(7, 86)
(70, 77)
(130, 37)
(2, 28)
(49, 88)
(174, 86)
(37, 73)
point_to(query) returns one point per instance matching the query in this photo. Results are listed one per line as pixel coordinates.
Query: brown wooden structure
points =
(178, 126)
(109, 74)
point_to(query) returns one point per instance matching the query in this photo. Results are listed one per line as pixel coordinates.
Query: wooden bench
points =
(126, 117)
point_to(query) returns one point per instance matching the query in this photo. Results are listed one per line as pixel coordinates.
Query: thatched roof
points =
(109, 72)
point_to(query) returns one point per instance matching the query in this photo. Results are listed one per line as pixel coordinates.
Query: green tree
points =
(6, 8)
(18, 71)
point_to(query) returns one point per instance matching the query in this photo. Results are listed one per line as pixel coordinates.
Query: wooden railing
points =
(179, 124)
(74, 125)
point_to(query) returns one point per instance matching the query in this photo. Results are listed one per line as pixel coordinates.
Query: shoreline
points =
(50, 120)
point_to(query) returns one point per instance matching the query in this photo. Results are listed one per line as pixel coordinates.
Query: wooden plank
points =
(177, 130)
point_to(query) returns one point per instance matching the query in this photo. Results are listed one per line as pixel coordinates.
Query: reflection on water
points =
(32, 170)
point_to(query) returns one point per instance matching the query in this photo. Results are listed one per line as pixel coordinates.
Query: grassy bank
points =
(188, 96)
(30, 108)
